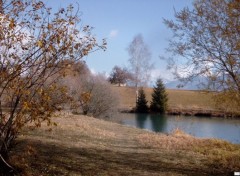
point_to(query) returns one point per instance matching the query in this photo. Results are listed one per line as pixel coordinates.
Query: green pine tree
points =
(141, 106)
(159, 98)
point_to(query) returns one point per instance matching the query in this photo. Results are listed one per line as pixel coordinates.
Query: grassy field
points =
(81, 145)
(182, 99)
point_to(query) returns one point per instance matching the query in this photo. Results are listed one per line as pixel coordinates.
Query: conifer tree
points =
(141, 106)
(159, 98)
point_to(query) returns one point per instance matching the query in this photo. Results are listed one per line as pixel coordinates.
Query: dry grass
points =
(82, 145)
(181, 99)
(178, 140)
(190, 99)
(218, 153)
(127, 96)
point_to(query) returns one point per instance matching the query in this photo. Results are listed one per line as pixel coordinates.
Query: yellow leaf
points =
(26, 105)
(39, 44)
(58, 39)
(51, 48)
(11, 24)
(50, 26)
(85, 52)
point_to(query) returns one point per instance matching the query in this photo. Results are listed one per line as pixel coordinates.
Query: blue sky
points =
(119, 21)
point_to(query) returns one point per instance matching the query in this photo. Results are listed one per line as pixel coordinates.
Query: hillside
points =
(81, 145)
(178, 99)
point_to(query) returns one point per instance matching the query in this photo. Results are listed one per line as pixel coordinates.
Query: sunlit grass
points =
(219, 154)
(180, 99)
(81, 145)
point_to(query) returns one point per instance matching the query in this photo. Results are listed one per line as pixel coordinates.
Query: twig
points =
(8, 165)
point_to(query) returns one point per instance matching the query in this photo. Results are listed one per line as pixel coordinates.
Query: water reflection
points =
(154, 122)
(158, 122)
(200, 127)
(141, 120)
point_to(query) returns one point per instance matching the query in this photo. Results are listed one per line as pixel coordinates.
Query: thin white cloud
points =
(93, 71)
(166, 75)
(113, 33)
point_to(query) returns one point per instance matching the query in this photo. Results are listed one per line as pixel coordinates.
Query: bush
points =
(103, 102)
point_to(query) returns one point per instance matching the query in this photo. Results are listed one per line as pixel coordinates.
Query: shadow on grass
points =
(52, 159)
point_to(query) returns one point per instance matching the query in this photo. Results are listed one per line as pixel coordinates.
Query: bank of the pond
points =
(201, 112)
(208, 127)
(191, 112)
(81, 145)
(180, 102)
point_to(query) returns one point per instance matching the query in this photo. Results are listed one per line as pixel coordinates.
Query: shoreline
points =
(191, 112)
(82, 145)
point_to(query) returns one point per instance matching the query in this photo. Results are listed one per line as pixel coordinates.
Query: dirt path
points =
(81, 145)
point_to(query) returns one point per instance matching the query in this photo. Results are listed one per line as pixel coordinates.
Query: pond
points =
(227, 129)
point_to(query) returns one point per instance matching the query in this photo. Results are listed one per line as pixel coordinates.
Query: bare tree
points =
(75, 74)
(207, 40)
(140, 61)
(34, 42)
(103, 102)
(119, 76)
(92, 95)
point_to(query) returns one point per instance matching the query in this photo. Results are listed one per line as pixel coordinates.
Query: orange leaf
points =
(12, 24)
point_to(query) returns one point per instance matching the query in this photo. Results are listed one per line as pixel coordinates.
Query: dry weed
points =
(220, 154)
(178, 140)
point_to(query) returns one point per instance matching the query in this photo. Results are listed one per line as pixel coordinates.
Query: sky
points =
(119, 21)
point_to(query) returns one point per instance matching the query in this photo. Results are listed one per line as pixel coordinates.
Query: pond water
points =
(227, 129)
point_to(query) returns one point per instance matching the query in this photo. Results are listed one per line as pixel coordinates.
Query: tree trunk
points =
(1, 7)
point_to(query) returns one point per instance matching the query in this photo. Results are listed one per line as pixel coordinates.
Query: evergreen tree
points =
(159, 98)
(141, 102)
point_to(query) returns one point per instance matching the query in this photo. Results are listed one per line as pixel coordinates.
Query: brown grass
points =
(218, 153)
(181, 99)
(82, 145)
(190, 99)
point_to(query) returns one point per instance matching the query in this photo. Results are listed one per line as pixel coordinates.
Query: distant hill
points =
(186, 99)
(194, 85)
(174, 85)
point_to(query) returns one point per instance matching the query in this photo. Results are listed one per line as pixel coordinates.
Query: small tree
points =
(119, 76)
(90, 94)
(141, 105)
(34, 43)
(159, 98)
(140, 61)
(101, 100)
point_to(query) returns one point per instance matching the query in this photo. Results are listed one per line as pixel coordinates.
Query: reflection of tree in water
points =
(158, 122)
(141, 120)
